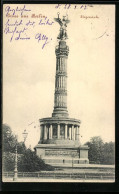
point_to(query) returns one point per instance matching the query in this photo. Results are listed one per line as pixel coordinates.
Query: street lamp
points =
(25, 133)
(15, 169)
(8, 133)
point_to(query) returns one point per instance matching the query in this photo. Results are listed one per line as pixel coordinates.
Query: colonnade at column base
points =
(62, 129)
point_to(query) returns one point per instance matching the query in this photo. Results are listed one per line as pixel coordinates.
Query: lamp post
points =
(8, 133)
(15, 169)
(25, 133)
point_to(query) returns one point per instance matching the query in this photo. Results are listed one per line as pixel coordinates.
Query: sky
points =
(29, 68)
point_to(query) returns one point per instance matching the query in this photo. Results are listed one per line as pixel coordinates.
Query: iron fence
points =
(61, 175)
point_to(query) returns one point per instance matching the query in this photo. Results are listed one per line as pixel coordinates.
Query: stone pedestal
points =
(62, 154)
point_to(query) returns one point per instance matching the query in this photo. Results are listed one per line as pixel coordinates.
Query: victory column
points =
(59, 134)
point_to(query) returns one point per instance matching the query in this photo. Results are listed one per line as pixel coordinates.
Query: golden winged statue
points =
(63, 24)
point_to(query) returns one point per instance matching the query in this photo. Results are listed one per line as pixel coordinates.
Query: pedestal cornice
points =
(61, 120)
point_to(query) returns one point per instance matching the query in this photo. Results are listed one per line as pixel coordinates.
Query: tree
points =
(109, 153)
(100, 152)
(10, 141)
(95, 149)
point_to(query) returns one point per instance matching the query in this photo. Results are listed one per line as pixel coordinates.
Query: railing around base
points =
(61, 175)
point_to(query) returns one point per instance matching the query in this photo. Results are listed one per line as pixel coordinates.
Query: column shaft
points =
(45, 132)
(70, 133)
(74, 134)
(66, 131)
(64, 82)
(41, 132)
(50, 132)
(61, 81)
(58, 131)
(59, 101)
(57, 82)
(78, 134)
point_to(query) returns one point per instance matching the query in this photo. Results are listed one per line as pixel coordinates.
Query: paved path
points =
(53, 180)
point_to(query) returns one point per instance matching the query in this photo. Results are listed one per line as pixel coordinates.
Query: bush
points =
(30, 162)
